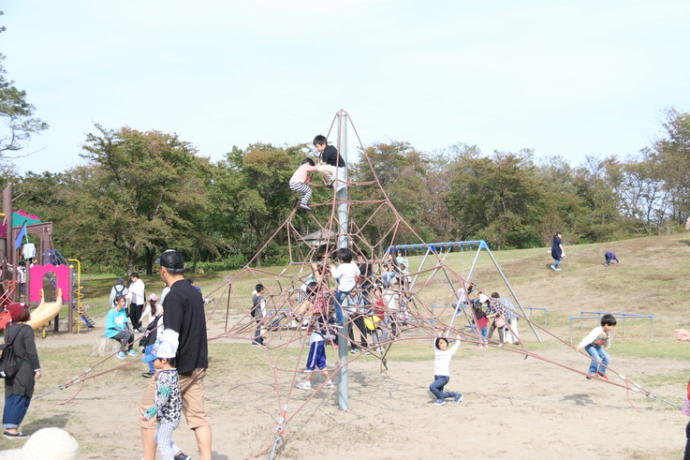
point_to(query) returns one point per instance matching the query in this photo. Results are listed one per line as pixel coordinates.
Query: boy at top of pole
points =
(331, 164)
(300, 180)
(595, 344)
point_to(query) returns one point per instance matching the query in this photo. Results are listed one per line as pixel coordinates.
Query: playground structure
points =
(310, 240)
(37, 274)
(441, 250)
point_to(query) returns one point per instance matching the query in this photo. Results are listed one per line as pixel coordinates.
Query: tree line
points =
(139, 193)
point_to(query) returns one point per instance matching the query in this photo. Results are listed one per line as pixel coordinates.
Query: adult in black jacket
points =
(20, 388)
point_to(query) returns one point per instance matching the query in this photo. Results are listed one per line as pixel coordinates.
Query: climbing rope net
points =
(391, 303)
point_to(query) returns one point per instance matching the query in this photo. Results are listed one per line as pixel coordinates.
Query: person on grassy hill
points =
(557, 251)
(299, 182)
(19, 386)
(346, 274)
(442, 357)
(684, 336)
(258, 313)
(595, 344)
(167, 403)
(137, 300)
(184, 321)
(118, 288)
(117, 327)
(316, 359)
(609, 257)
(154, 330)
(331, 164)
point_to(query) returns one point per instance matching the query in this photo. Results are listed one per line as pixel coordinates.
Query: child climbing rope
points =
(442, 356)
(346, 273)
(595, 343)
(167, 405)
(299, 182)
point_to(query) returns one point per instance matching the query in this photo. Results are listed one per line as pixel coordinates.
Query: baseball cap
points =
(161, 350)
(172, 260)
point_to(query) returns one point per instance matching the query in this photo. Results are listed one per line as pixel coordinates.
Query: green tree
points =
(402, 172)
(147, 191)
(19, 122)
(672, 155)
(499, 199)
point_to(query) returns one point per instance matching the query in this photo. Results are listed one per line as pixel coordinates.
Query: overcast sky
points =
(563, 78)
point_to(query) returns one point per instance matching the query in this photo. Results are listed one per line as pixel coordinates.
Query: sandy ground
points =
(513, 408)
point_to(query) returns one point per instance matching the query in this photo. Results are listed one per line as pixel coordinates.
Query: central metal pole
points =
(340, 185)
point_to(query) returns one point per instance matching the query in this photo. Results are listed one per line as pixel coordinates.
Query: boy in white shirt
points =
(595, 343)
(346, 273)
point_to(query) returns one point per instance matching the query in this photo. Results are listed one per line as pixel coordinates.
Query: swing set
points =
(439, 252)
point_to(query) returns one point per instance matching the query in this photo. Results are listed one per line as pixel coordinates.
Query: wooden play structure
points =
(33, 272)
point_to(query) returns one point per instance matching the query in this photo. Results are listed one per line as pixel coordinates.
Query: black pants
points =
(687, 442)
(359, 322)
(135, 315)
(500, 332)
(257, 332)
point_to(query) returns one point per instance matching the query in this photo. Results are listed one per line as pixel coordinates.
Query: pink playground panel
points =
(62, 273)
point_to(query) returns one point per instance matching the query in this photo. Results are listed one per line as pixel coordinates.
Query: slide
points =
(45, 311)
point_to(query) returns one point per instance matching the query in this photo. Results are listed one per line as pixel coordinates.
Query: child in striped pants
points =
(299, 182)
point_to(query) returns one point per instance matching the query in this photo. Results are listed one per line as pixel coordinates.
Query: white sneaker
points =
(304, 385)
(329, 384)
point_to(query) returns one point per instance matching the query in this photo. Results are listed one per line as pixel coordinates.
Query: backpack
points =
(9, 360)
(256, 306)
(118, 292)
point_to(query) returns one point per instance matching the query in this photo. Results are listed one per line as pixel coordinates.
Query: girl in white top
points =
(442, 356)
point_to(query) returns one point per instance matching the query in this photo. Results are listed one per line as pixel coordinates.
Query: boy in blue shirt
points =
(609, 257)
(117, 327)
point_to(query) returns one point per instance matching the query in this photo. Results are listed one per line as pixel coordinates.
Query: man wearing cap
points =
(184, 323)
